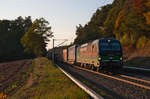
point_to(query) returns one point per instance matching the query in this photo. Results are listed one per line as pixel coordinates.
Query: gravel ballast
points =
(114, 89)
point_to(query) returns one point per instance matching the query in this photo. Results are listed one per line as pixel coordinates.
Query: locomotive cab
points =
(110, 54)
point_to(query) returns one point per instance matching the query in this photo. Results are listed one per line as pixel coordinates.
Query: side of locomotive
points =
(102, 54)
(88, 54)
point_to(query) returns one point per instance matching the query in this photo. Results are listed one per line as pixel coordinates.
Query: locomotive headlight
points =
(121, 58)
(99, 58)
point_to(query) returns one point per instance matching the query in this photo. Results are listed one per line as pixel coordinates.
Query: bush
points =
(142, 42)
(125, 40)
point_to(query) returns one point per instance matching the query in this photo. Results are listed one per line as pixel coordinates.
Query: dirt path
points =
(30, 81)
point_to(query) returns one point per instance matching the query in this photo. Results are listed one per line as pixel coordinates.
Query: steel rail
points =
(136, 68)
(119, 79)
(89, 91)
(137, 79)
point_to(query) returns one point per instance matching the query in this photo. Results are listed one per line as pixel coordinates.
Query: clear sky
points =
(63, 15)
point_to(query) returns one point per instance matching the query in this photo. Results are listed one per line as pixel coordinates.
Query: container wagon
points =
(65, 55)
(72, 54)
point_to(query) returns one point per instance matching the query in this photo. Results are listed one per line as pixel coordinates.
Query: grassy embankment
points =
(48, 82)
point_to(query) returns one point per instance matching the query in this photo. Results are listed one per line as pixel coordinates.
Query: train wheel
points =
(100, 68)
(82, 65)
(89, 67)
(86, 66)
(97, 69)
(92, 67)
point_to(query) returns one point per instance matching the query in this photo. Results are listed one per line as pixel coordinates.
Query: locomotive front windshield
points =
(112, 47)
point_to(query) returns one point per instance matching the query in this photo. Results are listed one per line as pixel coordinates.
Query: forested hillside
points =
(125, 20)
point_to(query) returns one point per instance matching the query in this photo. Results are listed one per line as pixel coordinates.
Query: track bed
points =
(114, 89)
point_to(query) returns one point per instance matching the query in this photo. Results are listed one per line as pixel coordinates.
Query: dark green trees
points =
(95, 28)
(35, 39)
(11, 32)
(22, 35)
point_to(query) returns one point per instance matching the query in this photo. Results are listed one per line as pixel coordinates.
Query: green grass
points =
(48, 82)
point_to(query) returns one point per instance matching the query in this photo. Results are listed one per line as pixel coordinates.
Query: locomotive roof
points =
(73, 46)
(106, 39)
(84, 45)
(96, 41)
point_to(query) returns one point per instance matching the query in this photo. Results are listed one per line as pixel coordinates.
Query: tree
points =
(37, 36)
(125, 20)
(11, 32)
(93, 29)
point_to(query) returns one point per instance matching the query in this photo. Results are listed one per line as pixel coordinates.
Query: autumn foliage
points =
(125, 20)
(138, 5)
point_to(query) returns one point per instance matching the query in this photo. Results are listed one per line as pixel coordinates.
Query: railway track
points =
(123, 78)
(89, 91)
(124, 86)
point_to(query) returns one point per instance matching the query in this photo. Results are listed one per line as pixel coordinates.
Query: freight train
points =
(102, 54)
